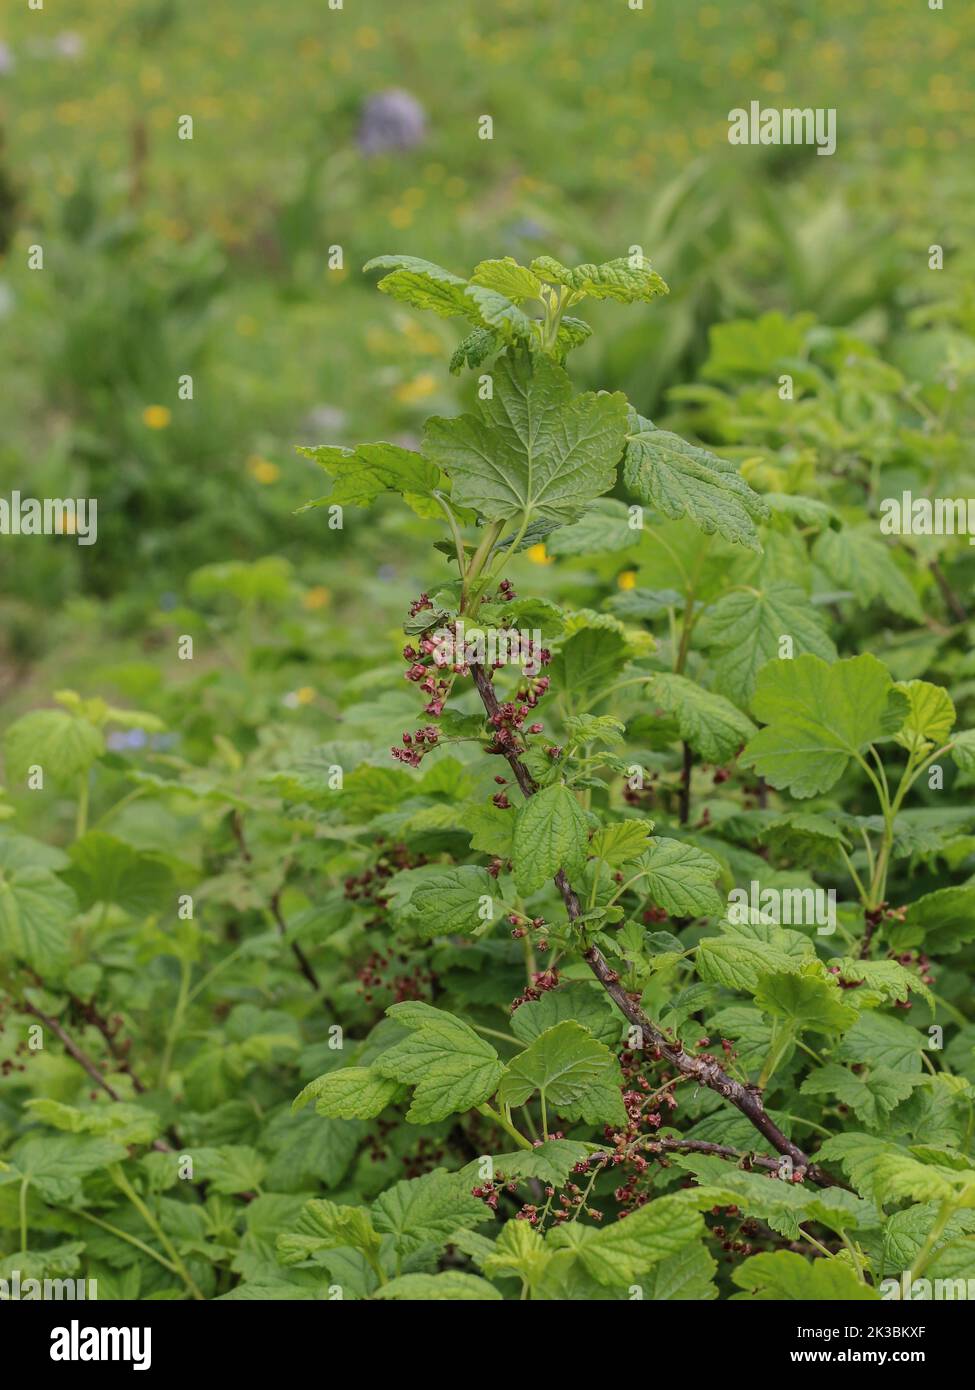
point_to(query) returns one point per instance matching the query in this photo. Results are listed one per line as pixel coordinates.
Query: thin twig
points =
(304, 964)
(703, 1070)
(76, 1052)
(83, 1060)
(91, 1015)
(700, 1146)
(687, 767)
(952, 602)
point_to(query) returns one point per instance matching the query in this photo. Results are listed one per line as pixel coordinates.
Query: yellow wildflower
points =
(263, 469)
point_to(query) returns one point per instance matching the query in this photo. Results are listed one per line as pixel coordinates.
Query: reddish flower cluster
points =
(533, 688)
(375, 974)
(642, 796)
(427, 1156)
(921, 963)
(573, 1200)
(745, 1228)
(522, 925)
(377, 1150)
(367, 886)
(418, 605)
(507, 722)
(542, 980)
(425, 675)
(644, 1115)
(416, 744)
(489, 1192)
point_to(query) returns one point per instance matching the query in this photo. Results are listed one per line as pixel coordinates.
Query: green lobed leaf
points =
(783, 1275)
(586, 1004)
(818, 717)
(104, 869)
(806, 999)
(619, 279)
(930, 718)
(534, 450)
(745, 630)
(620, 1254)
(362, 474)
(449, 1066)
(680, 878)
(449, 901)
(453, 1286)
(577, 1075)
(424, 285)
(550, 834)
(352, 1093)
(680, 479)
(64, 745)
(712, 725)
(427, 1210)
(35, 910)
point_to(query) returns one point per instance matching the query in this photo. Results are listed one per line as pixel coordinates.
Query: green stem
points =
(854, 1256)
(810, 1124)
(862, 892)
(175, 1023)
(597, 1169)
(493, 1033)
(815, 1243)
(950, 1009)
(123, 801)
(81, 815)
(781, 1040)
(530, 963)
(687, 627)
(204, 980)
(454, 529)
(121, 1181)
(24, 1185)
(489, 1111)
(492, 535)
(623, 887)
(611, 690)
(130, 1239)
(945, 1213)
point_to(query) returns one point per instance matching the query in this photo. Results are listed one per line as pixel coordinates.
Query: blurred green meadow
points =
(166, 257)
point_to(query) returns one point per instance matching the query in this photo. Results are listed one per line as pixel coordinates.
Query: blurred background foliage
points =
(358, 128)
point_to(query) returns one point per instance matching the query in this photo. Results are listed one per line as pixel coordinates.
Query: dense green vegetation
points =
(515, 1012)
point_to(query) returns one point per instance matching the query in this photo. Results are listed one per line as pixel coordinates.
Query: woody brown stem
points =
(304, 964)
(82, 1058)
(952, 602)
(703, 1070)
(687, 768)
(91, 1015)
(700, 1146)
